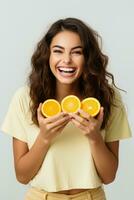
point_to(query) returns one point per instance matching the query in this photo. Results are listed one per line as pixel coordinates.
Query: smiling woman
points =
(68, 155)
(66, 57)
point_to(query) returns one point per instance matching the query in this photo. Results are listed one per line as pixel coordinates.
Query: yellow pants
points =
(91, 194)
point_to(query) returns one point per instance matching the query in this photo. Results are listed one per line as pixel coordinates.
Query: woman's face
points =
(66, 57)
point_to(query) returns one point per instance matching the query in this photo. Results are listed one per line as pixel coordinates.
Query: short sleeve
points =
(118, 127)
(15, 120)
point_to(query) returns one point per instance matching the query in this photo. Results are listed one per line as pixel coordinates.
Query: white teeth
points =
(66, 69)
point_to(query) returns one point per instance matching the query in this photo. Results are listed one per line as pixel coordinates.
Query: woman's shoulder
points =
(118, 105)
(21, 97)
(22, 91)
(117, 98)
(117, 127)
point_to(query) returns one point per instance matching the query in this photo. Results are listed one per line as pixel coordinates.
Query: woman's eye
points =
(77, 52)
(57, 51)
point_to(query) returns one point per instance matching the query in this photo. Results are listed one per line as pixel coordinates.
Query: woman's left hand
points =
(89, 125)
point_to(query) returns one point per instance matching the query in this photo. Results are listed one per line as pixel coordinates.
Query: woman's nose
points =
(67, 58)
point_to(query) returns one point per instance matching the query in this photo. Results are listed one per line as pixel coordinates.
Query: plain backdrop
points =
(22, 24)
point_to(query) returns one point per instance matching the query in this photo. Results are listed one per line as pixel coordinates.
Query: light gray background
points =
(22, 23)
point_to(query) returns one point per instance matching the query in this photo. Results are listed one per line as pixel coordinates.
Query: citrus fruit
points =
(50, 108)
(91, 106)
(70, 104)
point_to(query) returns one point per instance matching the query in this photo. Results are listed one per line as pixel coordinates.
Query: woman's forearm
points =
(29, 164)
(105, 161)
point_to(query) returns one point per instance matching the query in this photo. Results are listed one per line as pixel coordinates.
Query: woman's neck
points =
(63, 90)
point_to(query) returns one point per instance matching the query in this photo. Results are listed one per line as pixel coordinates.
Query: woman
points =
(67, 156)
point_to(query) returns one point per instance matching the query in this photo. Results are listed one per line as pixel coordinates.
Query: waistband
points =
(89, 194)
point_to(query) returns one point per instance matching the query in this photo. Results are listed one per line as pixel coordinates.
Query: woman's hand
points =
(52, 126)
(105, 155)
(89, 125)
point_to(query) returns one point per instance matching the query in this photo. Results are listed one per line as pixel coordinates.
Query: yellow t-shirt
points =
(68, 163)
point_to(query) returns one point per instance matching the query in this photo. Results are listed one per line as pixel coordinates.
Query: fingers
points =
(49, 119)
(81, 119)
(61, 121)
(49, 124)
(78, 124)
(39, 110)
(57, 130)
(84, 114)
(84, 117)
(56, 117)
(100, 115)
(78, 118)
(85, 122)
(59, 127)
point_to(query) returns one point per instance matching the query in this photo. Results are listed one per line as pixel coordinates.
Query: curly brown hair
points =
(94, 80)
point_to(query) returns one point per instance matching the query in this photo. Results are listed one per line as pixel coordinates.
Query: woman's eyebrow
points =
(58, 46)
(77, 47)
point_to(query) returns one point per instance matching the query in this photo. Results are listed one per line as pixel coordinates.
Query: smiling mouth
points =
(67, 70)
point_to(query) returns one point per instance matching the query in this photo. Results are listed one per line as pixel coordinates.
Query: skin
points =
(66, 52)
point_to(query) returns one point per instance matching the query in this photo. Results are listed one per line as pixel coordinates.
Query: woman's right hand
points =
(52, 126)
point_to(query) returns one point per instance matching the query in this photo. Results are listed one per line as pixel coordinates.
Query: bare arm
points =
(28, 162)
(105, 155)
(106, 159)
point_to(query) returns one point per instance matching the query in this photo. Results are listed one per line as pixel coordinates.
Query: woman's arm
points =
(28, 162)
(105, 158)
(105, 155)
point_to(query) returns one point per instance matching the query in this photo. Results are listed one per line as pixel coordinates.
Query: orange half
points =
(50, 108)
(70, 104)
(91, 106)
